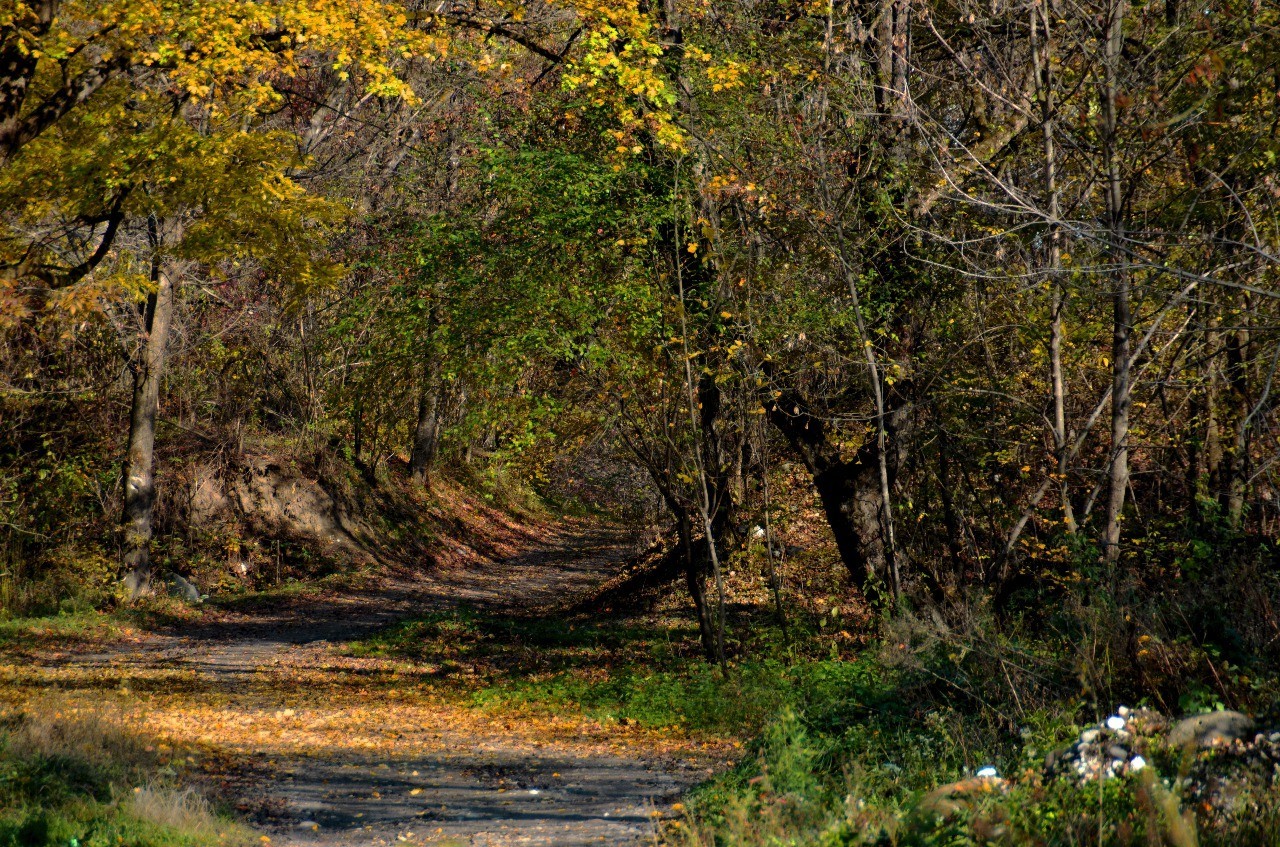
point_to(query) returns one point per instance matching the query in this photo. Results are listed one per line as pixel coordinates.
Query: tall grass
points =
(73, 778)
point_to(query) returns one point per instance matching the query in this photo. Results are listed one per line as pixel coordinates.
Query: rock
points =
(278, 499)
(1210, 730)
(1225, 757)
(1105, 750)
(135, 586)
(207, 501)
(183, 589)
(1222, 771)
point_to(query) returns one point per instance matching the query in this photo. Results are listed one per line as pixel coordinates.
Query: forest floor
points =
(270, 709)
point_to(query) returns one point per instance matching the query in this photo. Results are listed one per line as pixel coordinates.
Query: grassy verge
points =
(74, 781)
(43, 634)
(626, 670)
(63, 630)
(88, 627)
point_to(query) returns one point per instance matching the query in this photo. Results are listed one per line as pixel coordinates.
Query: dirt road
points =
(317, 747)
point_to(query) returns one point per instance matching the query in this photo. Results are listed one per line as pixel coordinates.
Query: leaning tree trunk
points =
(139, 471)
(850, 490)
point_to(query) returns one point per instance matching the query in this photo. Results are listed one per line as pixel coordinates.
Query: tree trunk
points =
(950, 515)
(1237, 469)
(850, 491)
(713, 502)
(1121, 387)
(695, 573)
(357, 427)
(1044, 75)
(426, 435)
(139, 470)
(775, 578)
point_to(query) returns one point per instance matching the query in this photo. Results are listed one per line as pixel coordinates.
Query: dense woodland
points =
(979, 299)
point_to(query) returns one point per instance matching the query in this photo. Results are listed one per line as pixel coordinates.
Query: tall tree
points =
(1121, 319)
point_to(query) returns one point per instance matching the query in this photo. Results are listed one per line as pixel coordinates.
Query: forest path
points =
(317, 746)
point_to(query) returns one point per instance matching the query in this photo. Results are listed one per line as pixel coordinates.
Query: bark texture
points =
(139, 470)
(851, 489)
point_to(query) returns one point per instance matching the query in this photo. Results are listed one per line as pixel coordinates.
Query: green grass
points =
(869, 782)
(646, 673)
(852, 757)
(250, 600)
(73, 781)
(61, 630)
(78, 627)
(87, 627)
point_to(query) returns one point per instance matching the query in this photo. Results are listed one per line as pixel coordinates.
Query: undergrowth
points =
(872, 759)
(641, 672)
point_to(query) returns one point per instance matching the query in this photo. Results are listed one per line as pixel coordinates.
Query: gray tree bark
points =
(1121, 319)
(1043, 58)
(426, 435)
(148, 369)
